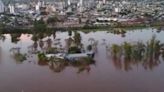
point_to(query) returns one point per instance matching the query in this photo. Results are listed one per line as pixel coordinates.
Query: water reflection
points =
(124, 57)
(82, 65)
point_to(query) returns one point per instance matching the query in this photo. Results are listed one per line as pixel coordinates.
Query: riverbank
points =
(85, 28)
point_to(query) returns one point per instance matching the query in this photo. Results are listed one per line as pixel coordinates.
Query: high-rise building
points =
(80, 5)
(37, 6)
(11, 9)
(2, 7)
(69, 2)
(104, 1)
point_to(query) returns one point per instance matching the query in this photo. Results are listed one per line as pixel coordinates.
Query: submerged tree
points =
(49, 43)
(2, 37)
(152, 53)
(35, 37)
(116, 51)
(77, 39)
(57, 65)
(41, 43)
(35, 45)
(40, 25)
(54, 35)
(17, 55)
(52, 20)
(147, 54)
(42, 59)
(15, 37)
(138, 51)
(68, 42)
(89, 47)
(127, 50)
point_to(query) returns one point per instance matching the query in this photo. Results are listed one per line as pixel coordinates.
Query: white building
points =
(37, 6)
(104, 1)
(117, 10)
(60, 5)
(11, 9)
(2, 7)
(69, 2)
(80, 5)
(21, 6)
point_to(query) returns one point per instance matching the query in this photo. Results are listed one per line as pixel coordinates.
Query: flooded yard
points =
(104, 75)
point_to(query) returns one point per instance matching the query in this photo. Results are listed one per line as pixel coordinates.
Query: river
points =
(103, 76)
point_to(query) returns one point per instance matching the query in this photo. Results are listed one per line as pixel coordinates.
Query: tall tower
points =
(2, 7)
(104, 1)
(81, 3)
(11, 9)
(37, 6)
(69, 2)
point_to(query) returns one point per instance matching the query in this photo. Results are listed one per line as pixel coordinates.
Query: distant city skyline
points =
(6, 1)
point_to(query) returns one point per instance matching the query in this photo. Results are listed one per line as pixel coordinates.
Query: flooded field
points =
(104, 75)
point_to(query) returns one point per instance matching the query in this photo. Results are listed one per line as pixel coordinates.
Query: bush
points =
(42, 57)
(20, 57)
(40, 25)
(89, 47)
(74, 50)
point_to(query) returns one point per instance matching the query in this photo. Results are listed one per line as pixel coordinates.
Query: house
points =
(77, 56)
(71, 57)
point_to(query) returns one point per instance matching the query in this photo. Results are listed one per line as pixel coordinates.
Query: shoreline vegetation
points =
(86, 28)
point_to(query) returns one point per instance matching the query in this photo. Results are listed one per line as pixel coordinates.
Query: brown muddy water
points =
(103, 76)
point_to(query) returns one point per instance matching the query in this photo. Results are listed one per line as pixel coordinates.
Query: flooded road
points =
(103, 76)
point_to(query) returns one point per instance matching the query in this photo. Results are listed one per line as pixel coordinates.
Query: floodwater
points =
(103, 76)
